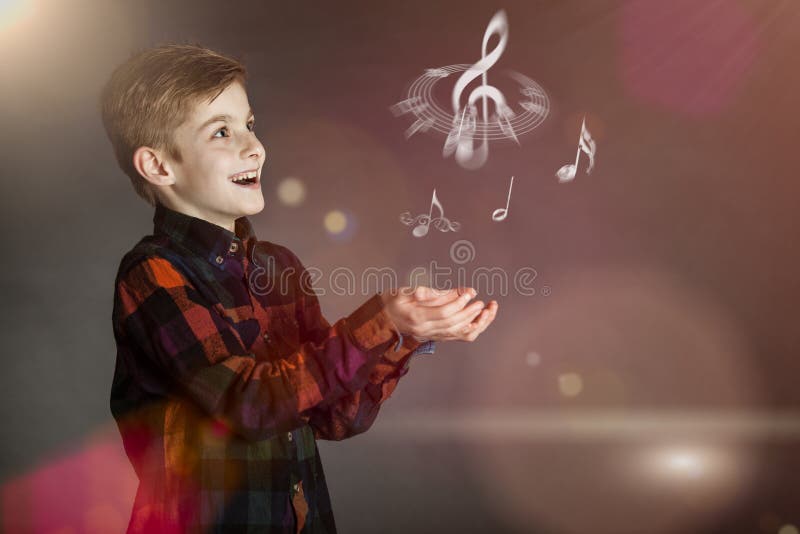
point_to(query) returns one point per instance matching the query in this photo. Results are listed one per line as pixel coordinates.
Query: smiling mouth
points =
(245, 178)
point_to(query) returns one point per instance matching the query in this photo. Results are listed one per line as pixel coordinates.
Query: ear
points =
(153, 166)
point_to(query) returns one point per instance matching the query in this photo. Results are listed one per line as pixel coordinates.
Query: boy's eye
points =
(250, 126)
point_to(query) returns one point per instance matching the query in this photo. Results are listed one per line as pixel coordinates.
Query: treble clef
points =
(461, 138)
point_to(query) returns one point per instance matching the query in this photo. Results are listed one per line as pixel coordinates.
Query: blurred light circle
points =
(341, 225)
(684, 463)
(533, 359)
(291, 191)
(335, 222)
(788, 529)
(570, 384)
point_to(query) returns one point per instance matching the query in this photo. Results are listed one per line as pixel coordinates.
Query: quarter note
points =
(585, 144)
(500, 214)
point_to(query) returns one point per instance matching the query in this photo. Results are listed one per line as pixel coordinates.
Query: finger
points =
(421, 293)
(443, 297)
(444, 330)
(477, 327)
(473, 328)
(440, 297)
(406, 292)
(433, 314)
(446, 298)
(447, 311)
(461, 317)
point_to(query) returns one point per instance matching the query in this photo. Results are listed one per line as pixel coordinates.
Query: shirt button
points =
(266, 338)
(219, 259)
(234, 247)
(289, 435)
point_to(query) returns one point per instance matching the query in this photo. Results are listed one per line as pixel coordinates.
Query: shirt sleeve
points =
(193, 345)
(355, 412)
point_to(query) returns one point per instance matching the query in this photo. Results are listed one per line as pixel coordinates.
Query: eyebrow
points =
(222, 118)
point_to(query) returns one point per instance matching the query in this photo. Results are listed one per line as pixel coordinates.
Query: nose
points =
(253, 149)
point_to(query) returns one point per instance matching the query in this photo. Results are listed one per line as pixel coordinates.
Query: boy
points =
(220, 389)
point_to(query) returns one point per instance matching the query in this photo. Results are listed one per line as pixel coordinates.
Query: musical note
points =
(585, 144)
(455, 135)
(533, 107)
(436, 73)
(466, 154)
(537, 103)
(474, 121)
(500, 214)
(410, 105)
(459, 131)
(503, 120)
(423, 221)
(419, 124)
(531, 92)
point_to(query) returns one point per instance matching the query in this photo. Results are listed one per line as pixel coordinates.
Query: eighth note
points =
(585, 144)
(500, 214)
(424, 221)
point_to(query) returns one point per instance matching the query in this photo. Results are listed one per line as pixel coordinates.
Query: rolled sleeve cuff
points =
(427, 347)
(371, 326)
(422, 347)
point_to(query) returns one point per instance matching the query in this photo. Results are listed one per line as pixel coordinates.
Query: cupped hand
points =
(439, 315)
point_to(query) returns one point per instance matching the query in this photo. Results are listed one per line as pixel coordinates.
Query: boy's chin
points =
(251, 208)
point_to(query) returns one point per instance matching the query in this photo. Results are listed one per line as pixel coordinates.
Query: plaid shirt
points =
(227, 373)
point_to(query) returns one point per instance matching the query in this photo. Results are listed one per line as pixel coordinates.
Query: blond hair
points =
(152, 93)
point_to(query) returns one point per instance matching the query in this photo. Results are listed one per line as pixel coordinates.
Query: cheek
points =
(216, 165)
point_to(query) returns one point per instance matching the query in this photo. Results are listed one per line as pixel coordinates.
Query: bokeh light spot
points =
(533, 359)
(291, 191)
(570, 384)
(685, 463)
(335, 222)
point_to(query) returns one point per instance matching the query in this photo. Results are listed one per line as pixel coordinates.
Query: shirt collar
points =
(206, 239)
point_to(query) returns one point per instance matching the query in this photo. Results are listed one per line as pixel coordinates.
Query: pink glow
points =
(90, 490)
(684, 55)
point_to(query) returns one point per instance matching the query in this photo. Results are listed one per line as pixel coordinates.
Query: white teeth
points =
(245, 176)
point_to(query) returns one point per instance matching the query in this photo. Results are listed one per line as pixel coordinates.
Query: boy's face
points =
(216, 143)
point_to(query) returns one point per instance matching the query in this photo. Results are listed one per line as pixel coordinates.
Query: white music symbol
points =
(585, 144)
(500, 214)
(423, 222)
(461, 138)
